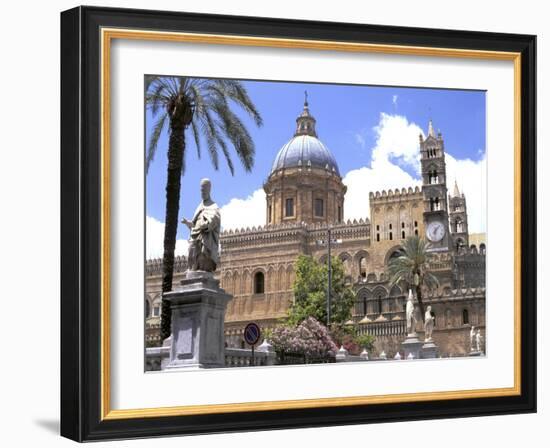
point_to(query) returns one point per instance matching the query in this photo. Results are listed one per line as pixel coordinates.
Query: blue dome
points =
(305, 151)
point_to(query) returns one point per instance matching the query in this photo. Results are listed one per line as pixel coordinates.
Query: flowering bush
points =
(310, 338)
(348, 337)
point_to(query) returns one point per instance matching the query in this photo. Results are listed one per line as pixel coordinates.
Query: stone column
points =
(198, 313)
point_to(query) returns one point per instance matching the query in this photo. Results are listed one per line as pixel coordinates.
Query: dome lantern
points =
(305, 123)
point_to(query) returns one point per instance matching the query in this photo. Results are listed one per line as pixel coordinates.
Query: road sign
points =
(252, 334)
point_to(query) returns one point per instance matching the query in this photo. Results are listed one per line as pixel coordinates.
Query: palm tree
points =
(178, 103)
(411, 268)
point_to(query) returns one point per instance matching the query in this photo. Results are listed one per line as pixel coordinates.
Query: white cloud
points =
(238, 213)
(397, 147)
(394, 99)
(154, 244)
(471, 177)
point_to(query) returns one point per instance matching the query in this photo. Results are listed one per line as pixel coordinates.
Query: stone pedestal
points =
(411, 346)
(198, 312)
(429, 350)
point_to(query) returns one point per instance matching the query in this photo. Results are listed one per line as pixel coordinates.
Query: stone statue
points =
(204, 233)
(478, 340)
(428, 324)
(472, 338)
(411, 318)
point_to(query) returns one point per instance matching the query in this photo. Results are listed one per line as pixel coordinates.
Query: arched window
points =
(259, 282)
(465, 317)
(482, 248)
(289, 207)
(319, 209)
(147, 308)
(402, 234)
(363, 267)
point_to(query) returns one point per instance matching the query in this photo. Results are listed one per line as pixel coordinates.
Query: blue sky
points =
(372, 132)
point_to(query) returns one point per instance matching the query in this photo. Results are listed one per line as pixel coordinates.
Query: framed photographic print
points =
(276, 224)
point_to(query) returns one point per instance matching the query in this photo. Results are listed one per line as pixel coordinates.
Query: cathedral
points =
(305, 196)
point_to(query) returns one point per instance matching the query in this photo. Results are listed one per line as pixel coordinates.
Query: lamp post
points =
(329, 242)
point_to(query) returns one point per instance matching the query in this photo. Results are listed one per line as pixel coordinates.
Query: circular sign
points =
(252, 333)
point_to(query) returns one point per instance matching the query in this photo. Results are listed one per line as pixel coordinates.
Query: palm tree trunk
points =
(176, 149)
(420, 304)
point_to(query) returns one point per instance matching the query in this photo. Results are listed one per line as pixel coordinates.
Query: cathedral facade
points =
(305, 196)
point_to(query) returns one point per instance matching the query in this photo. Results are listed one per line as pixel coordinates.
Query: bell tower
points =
(434, 190)
(458, 214)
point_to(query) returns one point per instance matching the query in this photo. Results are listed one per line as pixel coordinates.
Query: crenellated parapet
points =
(262, 236)
(458, 294)
(356, 229)
(276, 234)
(153, 266)
(393, 195)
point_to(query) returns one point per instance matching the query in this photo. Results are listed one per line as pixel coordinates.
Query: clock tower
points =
(434, 191)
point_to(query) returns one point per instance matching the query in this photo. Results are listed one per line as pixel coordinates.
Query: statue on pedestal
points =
(478, 340)
(428, 324)
(204, 233)
(472, 338)
(411, 318)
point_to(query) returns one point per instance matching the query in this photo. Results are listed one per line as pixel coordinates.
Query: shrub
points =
(310, 338)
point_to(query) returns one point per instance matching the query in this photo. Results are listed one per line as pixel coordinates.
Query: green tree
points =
(310, 292)
(412, 268)
(205, 106)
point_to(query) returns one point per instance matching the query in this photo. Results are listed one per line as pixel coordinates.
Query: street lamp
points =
(329, 242)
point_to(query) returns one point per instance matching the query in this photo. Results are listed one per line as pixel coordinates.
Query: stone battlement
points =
(384, 196)
(291, 226)
(454, 294)
(153, 266)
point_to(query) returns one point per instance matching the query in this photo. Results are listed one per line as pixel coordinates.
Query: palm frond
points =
(210, 131)
(154, 139)
(149, 79)
(237, 133)
(237, 92)
(196, 136)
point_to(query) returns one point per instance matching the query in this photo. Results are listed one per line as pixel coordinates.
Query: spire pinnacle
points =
(431, 132)
(456, 192)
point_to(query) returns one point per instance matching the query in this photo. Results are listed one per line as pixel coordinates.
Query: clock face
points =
(435, 231)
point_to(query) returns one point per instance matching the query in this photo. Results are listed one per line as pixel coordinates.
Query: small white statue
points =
(411, 318)
(428, 324)
(472, 338)
(478, 340)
